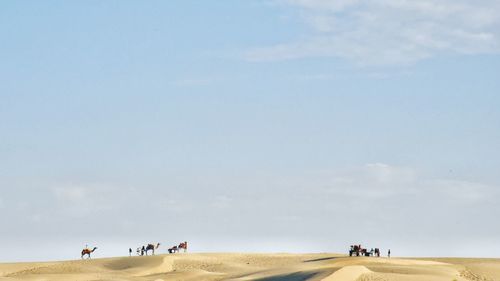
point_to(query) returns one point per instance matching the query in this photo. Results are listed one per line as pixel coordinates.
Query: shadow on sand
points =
(321, 259)
(297, 276)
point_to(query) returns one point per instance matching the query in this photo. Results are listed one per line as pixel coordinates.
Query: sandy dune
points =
(263, 267)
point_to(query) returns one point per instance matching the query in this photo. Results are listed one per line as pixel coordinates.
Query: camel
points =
(173, 250)
(184, 246)
(356, 249)
(87, 251)
(152, 248)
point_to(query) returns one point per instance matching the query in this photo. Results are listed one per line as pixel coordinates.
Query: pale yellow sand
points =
(352, 272)
(264, 267)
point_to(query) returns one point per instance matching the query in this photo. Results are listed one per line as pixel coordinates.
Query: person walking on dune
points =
(389, 253)
(129, 252)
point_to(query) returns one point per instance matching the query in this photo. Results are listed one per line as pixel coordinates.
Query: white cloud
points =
(87, 198)
(390, 203)
(174, 204)
(70, 193)
(463, 191)
(383, 173)
(390, 32)
(221, 202)
(379, 181)
(373, 180)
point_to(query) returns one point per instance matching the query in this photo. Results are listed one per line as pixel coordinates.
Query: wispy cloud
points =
(380, 181)
(86, 198)
(389, 32)
(71, 194)
(221, 202)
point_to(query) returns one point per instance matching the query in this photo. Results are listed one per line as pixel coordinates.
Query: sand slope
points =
(353, 272)
(263, 267)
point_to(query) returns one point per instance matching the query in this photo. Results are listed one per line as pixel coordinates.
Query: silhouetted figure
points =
(389, 253)
(143, 250)
(129, 252)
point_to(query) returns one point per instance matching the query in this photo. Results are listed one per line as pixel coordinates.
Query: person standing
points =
(129, 252)
(389, 253)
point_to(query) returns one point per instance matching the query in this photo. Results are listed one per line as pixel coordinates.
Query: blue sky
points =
(249, 123)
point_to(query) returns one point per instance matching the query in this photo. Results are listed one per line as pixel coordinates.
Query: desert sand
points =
(264, 267)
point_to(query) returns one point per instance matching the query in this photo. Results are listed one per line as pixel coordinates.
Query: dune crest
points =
(261, 267)
(348, 273)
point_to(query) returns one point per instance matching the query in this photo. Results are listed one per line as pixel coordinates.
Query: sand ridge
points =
(263, 267)
(348, 273)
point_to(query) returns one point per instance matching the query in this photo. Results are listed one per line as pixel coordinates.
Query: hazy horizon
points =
(262, 126)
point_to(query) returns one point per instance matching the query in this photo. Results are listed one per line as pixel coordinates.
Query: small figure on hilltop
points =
(389, 253)
(143, 249)
(87, 251)
(129, 252)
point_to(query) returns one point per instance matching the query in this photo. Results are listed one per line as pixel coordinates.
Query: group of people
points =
(140, 251)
